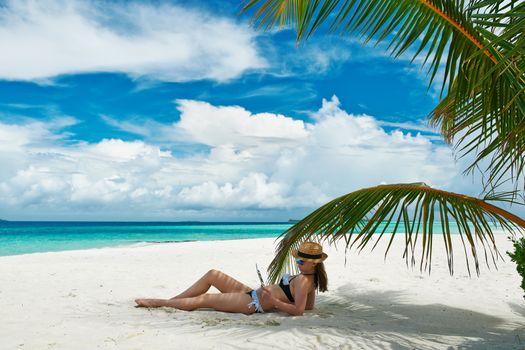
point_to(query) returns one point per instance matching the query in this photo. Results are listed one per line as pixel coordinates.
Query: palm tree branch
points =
(341, 217)
(459, 28)
(484, 68)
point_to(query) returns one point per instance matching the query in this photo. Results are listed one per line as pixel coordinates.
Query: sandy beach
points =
(84, 300)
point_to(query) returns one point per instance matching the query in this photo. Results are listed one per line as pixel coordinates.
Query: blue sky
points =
(180, 110)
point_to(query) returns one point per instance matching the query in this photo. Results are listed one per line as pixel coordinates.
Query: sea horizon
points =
(26, 237)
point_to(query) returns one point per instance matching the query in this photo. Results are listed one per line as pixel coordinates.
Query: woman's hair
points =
(321, 280)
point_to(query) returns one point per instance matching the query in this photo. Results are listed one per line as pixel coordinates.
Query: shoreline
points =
(61, 299)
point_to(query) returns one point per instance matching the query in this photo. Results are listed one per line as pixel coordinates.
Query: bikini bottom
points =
(255, 301)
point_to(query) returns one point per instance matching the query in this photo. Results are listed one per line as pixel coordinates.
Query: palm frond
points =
(479, 45)
(491, 121)
(438, 27)
(411, 210)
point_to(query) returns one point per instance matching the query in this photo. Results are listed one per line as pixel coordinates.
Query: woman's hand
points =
(266, 295)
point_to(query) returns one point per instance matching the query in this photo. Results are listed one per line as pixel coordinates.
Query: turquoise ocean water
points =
(32, 237)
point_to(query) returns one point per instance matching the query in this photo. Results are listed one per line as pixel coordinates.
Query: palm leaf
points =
(479, 45)
(432, 26)
(492, 122)
(410, 210)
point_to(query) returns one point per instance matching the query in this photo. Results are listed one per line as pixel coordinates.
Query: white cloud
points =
(422, 125)
(258, 166)
(236, 125)
(129, 126)
(45, 39)
(346, 152)
(314, 57)
(13, 137)
(253, 190)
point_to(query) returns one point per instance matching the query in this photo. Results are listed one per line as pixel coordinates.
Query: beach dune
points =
(84, 300)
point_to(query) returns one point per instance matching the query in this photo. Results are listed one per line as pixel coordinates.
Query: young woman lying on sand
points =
(293, 294)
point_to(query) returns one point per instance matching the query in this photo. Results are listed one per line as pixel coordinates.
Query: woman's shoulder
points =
(302, 278)
(305, 282)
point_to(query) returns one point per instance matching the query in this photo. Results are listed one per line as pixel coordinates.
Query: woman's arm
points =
(302, 286)
(310, 300)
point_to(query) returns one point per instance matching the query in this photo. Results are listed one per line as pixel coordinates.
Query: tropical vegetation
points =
(479, 47)
(518, 256)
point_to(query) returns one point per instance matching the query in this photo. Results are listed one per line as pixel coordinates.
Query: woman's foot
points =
(150, 302)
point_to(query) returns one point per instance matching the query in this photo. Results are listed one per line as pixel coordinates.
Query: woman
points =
(292, 295)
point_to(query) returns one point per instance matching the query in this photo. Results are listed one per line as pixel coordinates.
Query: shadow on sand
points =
(346, 320)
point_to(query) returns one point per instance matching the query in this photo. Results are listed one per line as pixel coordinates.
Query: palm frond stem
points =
(460, 29)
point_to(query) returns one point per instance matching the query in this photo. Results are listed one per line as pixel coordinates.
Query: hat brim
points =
(321, 259)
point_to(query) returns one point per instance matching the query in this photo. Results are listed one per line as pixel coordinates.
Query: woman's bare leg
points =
(226, 302)
(218, 279)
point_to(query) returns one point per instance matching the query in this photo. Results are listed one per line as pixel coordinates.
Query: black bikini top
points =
(284, 283)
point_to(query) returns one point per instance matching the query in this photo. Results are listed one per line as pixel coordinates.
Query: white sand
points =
(84, 300)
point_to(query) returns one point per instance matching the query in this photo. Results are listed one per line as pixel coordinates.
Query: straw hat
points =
(310, 251)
